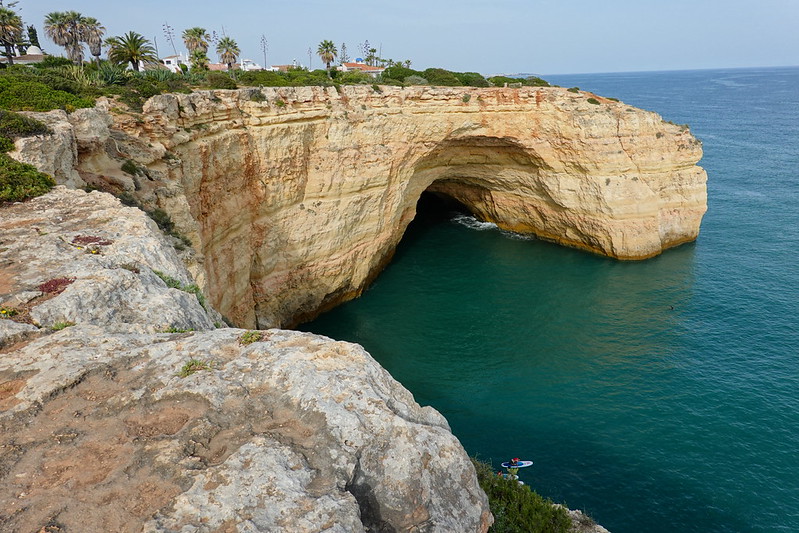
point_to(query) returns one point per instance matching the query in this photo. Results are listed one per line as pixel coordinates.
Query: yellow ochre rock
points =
(295, 198)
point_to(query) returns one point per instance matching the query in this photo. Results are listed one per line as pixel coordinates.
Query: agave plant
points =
(81, 76)
(111, 74)
(162, 74)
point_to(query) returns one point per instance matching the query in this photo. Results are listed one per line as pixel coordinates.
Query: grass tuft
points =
(192, 366)
(250, 337)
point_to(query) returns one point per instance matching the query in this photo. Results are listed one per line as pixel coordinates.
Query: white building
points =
(32, 55)
(173, 62)
(362, 67)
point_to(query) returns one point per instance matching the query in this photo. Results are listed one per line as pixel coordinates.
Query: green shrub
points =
(593, 101)
(472, 79)
(15, 125)
(163, 219)
(18, 94)
(161, 74)
(530, 81)
(399, 73)
(263, 78)
(53, 62)
(353, 77)
(173, 283)
(390, 81)
(516, 508)
(6, 145)
(58, 326)
(535, 81)
(416, 80)
(220, 80)
(574, 90)
(20, 181)
(466, 98)
(130, 167)
(439, 76)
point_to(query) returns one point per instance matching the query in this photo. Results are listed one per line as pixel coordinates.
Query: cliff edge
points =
(123, 407)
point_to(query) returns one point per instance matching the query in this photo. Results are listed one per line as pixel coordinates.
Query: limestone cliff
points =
(296, 197)
(111, 419)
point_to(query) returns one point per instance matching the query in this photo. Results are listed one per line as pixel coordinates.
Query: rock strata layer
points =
(296, 197)
(111, 419)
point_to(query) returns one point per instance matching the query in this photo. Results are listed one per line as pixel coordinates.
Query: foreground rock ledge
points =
(99, 432)
(295, 198)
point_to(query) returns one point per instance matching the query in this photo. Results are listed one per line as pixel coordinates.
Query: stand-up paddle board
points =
(518, 464)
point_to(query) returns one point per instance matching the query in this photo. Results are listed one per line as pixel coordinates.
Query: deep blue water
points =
(661, 395)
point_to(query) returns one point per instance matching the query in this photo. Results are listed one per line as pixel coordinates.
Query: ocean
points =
(658, 396)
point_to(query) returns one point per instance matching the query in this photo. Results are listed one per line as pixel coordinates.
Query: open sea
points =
(659, 396)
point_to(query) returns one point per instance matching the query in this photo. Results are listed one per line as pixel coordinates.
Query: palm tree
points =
(199, 61)
(196, 39)
(93, 33)
(228, 51)
(131, 48)
(327, 53)
(10, 32)
(66, 29)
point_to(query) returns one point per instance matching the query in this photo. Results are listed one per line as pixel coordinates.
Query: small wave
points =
(472, 223)
(518, 236)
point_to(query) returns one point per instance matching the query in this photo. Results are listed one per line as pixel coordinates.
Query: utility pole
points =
(310, 51)
(264, 48)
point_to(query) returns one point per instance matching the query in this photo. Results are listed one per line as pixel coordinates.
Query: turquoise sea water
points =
(660, 396)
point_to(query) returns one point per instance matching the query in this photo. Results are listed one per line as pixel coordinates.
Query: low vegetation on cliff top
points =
(19, 181)
(57, 84)
(516, 508)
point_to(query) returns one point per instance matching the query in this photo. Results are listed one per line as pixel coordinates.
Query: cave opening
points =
(432, 208)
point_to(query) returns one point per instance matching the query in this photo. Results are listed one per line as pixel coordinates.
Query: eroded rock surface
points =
(109, 425)
(296, 197)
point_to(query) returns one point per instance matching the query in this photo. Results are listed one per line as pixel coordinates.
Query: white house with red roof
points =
(362, 67)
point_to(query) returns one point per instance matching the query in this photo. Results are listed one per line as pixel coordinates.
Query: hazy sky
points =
(499, 36)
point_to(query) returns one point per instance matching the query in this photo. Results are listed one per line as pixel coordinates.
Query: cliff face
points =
(296, 197)
(284, 431)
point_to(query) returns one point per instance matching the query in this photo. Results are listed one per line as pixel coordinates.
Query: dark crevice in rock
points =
(360, 488)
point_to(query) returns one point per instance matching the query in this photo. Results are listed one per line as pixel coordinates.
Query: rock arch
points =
(295, 199)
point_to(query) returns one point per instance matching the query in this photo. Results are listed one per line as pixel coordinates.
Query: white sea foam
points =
(472, 223)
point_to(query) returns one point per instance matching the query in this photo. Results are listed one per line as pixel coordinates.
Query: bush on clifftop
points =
(19, 94)
(20, 181)
(516, 508)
